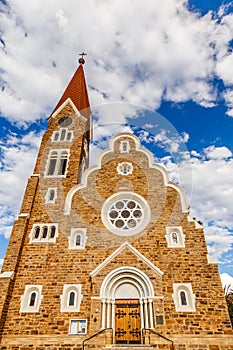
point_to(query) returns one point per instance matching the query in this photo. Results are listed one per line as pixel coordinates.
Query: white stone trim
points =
(118, 251)
(122, 144)
(24, 215)
(40, 239)
(64, 104)
(72, 238)
(145, 219)
(190, 297)
(59, 152)
(124, 165)
(7, 274)
(47, 200)
(197, 225)
(180, 237)
(160, 168)
(25, 298)
(59, 132)
(67, 289)
(78, 326)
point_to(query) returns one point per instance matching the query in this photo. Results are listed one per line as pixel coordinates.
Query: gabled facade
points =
(108, 252)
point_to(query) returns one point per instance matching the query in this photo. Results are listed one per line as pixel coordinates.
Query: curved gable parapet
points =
(151, 164)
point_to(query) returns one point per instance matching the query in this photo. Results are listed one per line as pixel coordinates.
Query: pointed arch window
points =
(57, 163)
(183, 298)
(175, 237)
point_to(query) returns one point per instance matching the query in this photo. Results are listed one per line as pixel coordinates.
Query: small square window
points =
(159, 319)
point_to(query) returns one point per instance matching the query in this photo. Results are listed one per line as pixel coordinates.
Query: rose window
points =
(125, 214)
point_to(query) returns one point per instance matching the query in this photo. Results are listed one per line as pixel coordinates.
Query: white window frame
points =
(25, 298)
(40, 239)
(190, 297)
(79, 326)
(122, 165)
(67, 289)
(59, 152)
(59, 132)
(47, 200)
(72, 238)
(124, 146)
(180, 237)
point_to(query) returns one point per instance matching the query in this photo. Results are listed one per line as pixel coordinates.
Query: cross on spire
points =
(81, 60)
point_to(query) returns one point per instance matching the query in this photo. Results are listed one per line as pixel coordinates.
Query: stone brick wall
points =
(53, 265)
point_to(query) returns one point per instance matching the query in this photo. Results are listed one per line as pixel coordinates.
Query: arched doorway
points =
(127, 304)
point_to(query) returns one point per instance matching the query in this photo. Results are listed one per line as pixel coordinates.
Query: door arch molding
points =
(140, 282)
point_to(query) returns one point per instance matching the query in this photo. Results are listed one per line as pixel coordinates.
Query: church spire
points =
(77, 91)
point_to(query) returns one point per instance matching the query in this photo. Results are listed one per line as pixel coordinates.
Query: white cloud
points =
(18, 155)
(137, 54)
(211, 196)
(227, 280)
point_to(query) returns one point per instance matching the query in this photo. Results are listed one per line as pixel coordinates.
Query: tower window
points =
(57, 163)
(51, 195)
(62, 135)
(52, 232)
(37, 232)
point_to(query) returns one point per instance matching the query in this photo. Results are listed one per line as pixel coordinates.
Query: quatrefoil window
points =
(124, 168)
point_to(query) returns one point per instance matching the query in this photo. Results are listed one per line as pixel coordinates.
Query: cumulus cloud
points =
(18, 155)
(136, 54)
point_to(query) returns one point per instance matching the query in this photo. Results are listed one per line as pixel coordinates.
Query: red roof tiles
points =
(77, 92)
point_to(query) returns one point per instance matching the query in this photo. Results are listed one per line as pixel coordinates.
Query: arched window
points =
(56, 136)
(63, 162)
(174, 238)
(63, 134)
(52, 163)
(78, 240)
(45, 231)
(57, 163)
(37, 232)
(183, 298)
(52, 232)
(71, 299)
(32, 299)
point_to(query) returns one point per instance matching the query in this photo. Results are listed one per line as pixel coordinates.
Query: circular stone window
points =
(65, 121)
(125, 213)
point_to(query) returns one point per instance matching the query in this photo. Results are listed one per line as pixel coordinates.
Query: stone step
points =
(137, 347)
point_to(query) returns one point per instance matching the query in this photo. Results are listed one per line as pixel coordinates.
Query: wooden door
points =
(127, 322)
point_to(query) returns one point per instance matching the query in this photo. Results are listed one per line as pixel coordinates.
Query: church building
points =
(106, 256)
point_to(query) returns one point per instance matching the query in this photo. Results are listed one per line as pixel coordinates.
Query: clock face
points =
(65, 121)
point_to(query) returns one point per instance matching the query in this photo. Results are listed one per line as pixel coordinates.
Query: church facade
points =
(106, 256)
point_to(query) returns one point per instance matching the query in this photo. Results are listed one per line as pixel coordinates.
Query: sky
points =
(163, 70)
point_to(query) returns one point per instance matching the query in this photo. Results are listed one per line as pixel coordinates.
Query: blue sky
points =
(165, 69)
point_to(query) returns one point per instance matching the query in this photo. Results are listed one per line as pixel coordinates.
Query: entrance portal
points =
(127, 322)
